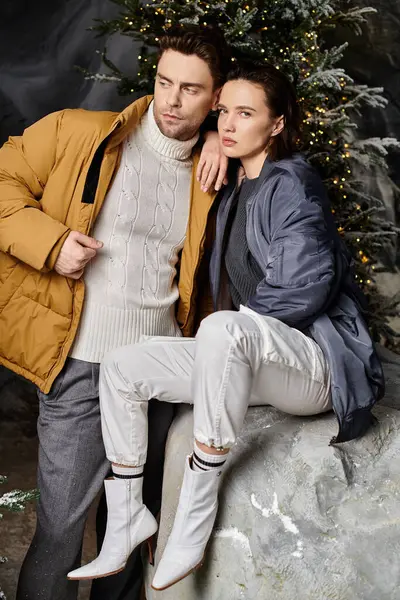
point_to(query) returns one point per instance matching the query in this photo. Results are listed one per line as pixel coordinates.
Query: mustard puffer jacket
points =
(53, 179)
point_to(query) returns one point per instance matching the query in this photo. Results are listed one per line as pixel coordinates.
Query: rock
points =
(298, 519)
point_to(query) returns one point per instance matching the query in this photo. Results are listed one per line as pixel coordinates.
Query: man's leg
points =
(127, 584)
(72, 466)
(123, 370)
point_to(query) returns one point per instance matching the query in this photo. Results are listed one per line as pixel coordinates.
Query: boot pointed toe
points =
(93, 571)
(170, 572)
(192, 527)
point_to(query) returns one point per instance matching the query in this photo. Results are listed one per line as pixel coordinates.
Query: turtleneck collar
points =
(162, 144)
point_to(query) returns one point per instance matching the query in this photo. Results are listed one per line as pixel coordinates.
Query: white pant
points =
(237, 359)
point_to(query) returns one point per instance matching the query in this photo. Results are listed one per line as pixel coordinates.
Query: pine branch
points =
(353, 18)
(15, 501)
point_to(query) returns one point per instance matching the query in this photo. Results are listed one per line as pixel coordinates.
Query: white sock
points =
(201, 461)
(127, 472)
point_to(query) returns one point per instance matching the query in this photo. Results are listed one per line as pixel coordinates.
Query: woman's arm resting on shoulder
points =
(299, 262)
(213, 164)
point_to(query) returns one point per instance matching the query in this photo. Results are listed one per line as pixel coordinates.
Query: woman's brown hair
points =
(280, 98)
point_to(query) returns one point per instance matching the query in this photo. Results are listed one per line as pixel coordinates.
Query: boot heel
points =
(150, 549)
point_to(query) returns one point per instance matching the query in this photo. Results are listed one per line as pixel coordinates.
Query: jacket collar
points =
(233, 171)
(127, 120)
(267, 167)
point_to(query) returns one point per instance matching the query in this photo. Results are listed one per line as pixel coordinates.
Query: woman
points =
(292, 337)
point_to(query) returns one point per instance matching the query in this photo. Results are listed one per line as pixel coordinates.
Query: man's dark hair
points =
(206, 42)
(281, 99)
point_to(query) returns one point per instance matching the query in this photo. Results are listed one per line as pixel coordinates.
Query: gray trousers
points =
(72, 467)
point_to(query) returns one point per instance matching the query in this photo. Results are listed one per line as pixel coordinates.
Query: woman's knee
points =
(124, 362)
(217, 323)
(224, 323)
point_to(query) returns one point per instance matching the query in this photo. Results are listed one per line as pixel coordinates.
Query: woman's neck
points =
(253, 164)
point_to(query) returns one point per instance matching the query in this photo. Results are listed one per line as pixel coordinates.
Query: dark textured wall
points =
(40, 44)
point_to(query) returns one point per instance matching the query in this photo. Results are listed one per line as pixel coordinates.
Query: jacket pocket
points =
(299, 261)
(55, 391)
(347, 321)
(274, 263)
(7, 266)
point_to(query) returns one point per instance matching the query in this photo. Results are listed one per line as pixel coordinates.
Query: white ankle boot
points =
(129, 523)
(194, 520)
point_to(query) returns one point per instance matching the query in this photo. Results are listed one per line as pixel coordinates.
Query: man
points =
(95, 209)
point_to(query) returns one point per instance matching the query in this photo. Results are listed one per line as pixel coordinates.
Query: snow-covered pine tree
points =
(292, 35)
(14, 502)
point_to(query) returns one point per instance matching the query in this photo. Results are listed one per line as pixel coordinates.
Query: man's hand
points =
(78, 249)
(213, 164)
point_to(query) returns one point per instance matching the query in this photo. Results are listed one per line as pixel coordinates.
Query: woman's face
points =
(245, 123)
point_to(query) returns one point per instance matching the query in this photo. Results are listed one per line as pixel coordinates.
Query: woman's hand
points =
(213, 164)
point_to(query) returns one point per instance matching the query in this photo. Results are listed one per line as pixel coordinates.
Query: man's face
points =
(183, 94)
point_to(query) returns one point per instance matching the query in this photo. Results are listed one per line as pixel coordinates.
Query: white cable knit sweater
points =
(130, 285)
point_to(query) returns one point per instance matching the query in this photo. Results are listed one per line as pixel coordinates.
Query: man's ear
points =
(216, 96)
(279, 125)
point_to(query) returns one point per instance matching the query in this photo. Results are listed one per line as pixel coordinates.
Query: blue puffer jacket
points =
(308, 283)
